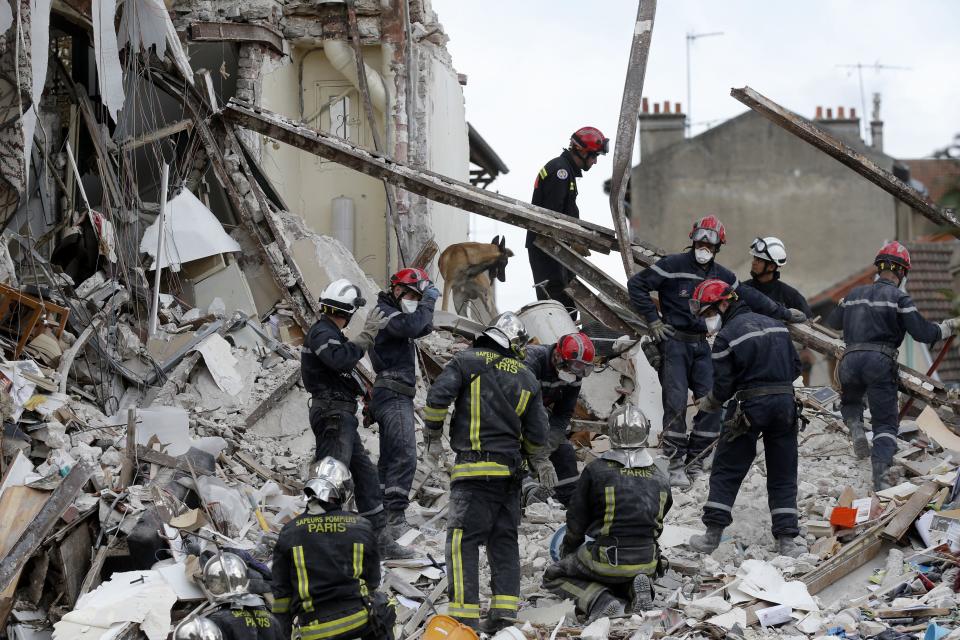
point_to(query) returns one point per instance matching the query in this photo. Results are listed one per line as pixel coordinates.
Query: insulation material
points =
(141, 597)
(193, 232)
(220, 362)
(109, 72)
(39, 57)
(145, 24)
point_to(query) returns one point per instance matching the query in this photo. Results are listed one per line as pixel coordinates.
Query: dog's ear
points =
(496, 240)
(503, 243)
(502, 267)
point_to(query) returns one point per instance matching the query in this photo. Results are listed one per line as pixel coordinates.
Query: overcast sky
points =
(537, 70)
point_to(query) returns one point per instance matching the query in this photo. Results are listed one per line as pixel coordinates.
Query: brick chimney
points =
(844, 125)
(876, 125)
(661, 127)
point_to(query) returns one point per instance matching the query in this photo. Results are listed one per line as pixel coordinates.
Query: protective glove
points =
(430, 292)
(949, 327)
(433, 445)
(651, 349)
(659, 330)
(795, 316)
(375, 321)
(709, 404)
(546, 474)
(581, 249)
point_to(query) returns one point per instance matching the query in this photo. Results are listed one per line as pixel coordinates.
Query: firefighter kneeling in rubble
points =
(326, 567)
(754, 366)
(619, 503)
(498, 416)
(240, 615)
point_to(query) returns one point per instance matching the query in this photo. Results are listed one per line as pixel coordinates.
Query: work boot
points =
(861, 447)
(642, 594)
(533, 493)
(708, 542)
(881, 478)
(496, 619)
(397, 523)
(605, 606)
(389, 549)
(694, 469)
(789, 546)
(678, 475)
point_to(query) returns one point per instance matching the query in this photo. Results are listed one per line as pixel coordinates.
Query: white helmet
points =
(224, 577)
(197, 628)
(330, 481)
(508, 332)
(770, 249)
(341, 296)
(628, 428)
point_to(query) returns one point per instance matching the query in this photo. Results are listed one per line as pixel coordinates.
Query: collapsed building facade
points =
(179, 181)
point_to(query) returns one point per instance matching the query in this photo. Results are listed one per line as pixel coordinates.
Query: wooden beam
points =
(164, 460)
(237, 32)
(627, 126)
(843, 153)
(431, 185)
(585, 269)
(62, 497)
(135, 143)
(909, 512)
(599, 309)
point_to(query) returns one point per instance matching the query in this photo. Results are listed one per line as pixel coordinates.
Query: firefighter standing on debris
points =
(560, 368)
(408, 307)
(620, 502)
(555, 188)
(328, 366)
(326, 568)
(754, 366)
(683, 339)
(498, 418)
(240, 615)
(875, 318)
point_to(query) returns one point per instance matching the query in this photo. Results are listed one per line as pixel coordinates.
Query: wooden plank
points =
(426, 254)
(152, 136)
(431, 185)
(237, 32)
(273, 398)
(913, 612)
(266, 474)
(597, 308)
(838, 150)
(627, 125)
(428, 605)
(18, 507)
(910, 511)
(179, 463)
(62, 497)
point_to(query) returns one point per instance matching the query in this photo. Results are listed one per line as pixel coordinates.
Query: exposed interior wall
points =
(309, 183)
(761, 180)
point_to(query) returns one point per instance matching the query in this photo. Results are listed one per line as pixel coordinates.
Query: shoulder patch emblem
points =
(562, 174)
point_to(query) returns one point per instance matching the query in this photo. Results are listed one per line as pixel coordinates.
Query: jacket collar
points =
(567, 155)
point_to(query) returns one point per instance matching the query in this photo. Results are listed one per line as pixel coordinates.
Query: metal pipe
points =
(161, 235)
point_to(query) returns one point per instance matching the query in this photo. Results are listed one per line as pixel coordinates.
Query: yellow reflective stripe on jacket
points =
(522, 404)
(358, 567)
(434, 414)
(659, 526)
(463, 610)
(479, 470)
(505, 602)
(335, 627)
(281, 605)
(610, 507)
(543, 173)
(303, 580)
(475, 414)
(456, 553)
(573, 186)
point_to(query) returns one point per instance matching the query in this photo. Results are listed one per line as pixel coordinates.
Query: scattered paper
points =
(219, 359)
(729, 619)
(675, 536)
(764, 582)
(931, 424)
(773, 616)
(171, 426)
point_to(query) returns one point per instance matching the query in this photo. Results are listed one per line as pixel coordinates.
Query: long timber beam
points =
(811, 133)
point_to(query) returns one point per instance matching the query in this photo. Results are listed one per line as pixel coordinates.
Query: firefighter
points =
(326, 568)
(683, 339)
(620, 502)
(875, 318)
(241, 615)
(408, 307)
(498, 417)
(560, 368)
(328, 367)
(754, 365)
(555, 188)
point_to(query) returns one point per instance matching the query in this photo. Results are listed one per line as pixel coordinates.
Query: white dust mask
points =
(703, 256)
(409, 306)
(713, 324)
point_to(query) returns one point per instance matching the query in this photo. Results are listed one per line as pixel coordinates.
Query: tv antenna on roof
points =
(876, 66)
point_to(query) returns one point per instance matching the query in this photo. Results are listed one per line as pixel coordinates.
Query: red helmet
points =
(591, 140)
(709, 229)
(708, 294)
(575, 352)
(893, 253)
(416, 279)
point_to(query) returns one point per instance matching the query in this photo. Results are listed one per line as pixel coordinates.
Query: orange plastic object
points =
(845, 517)
(446, 628)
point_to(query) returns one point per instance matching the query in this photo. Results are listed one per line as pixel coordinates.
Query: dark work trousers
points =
(483, 512)
(546, 268)
(874, 375)
(337, 437)
(571, 578)
(686, 365)
(398, 446)
(774, 418)
(564, 459)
